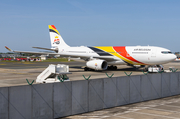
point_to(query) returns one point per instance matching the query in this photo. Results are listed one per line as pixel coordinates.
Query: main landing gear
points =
(112, 67)
(88, 69)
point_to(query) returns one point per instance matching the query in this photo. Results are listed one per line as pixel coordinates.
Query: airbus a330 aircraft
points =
(107, 57)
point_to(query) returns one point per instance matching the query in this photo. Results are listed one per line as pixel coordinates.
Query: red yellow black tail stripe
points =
(52, 28)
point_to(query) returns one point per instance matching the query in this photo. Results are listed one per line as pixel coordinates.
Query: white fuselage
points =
(134, 55)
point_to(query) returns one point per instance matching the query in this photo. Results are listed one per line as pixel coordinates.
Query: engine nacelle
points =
(97, 64)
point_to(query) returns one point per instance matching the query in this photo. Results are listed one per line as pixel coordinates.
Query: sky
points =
(24, 23)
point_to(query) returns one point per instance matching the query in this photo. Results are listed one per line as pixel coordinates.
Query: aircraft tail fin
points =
(55, 37)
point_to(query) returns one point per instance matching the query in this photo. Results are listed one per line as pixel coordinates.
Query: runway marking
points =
(103, 117)
(155, 115)
(164, 110)
(27, 63)
(98, 113)
(123, 113)
(153, 106)
(172, 106)
(91, 117)
(124, 117)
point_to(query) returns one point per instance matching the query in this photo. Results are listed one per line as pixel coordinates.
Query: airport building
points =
(3, 55)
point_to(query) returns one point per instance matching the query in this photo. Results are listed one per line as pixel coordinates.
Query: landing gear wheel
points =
(86, 69)
(112, 67)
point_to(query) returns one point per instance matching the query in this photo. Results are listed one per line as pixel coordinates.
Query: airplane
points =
(106, 57)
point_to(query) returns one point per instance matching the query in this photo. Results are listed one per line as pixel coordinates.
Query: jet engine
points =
(97, 64)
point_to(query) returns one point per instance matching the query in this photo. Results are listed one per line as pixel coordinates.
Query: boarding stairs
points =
(54, 73)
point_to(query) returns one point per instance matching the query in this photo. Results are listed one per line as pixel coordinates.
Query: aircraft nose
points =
(173, 57)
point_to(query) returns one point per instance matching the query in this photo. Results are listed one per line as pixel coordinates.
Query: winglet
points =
(8, 48)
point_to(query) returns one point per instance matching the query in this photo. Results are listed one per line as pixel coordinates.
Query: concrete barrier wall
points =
(135, 89)
(96, 94)
(20, 102)
(146, 88)
(155, 81)
(174, 83)
(109, 92)
(79, 97)
(44, 101)
(166, 90)
(4, 103)
(62, 99)
(123, 88)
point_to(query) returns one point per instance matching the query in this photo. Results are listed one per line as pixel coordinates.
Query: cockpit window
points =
(166, 52)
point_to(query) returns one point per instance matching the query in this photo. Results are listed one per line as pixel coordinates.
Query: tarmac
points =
(14, 74)
(166, 108)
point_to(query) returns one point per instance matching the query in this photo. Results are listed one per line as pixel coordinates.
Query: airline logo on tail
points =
(56, 36)
(56, 40)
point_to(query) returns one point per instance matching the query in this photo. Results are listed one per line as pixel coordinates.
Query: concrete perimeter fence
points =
(55, 100)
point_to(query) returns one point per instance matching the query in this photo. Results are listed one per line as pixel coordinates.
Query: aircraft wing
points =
(31, 52)
(46, 49)
(38, 53)
(86, 58)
